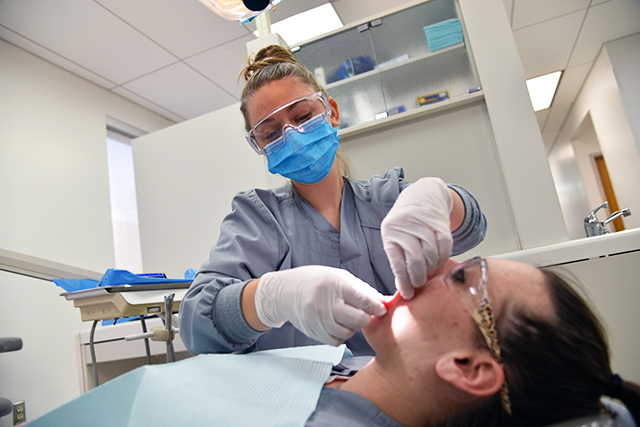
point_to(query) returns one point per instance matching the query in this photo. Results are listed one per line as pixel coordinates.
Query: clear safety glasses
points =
(469, 281)
(300, 113)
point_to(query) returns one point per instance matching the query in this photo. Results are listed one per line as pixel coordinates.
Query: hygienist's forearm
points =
(474, 226)
(457, 212)
(248, 305)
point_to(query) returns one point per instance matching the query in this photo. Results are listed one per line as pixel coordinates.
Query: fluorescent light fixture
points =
(542, 90)
(307, 25)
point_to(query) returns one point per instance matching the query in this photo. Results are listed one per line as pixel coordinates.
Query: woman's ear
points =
(475, 373)
(335, 113)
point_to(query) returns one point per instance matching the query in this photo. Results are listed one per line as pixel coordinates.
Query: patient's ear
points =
(476, 373)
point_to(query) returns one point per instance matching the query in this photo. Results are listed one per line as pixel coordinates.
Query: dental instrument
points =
(167, 333)
(115, 302)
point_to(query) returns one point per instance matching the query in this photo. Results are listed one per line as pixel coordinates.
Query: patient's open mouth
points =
(390, 299)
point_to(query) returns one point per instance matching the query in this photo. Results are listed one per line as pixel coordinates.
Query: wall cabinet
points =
(394, 63)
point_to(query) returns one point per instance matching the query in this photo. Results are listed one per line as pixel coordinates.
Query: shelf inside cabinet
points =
(426, 110)
(390, 67)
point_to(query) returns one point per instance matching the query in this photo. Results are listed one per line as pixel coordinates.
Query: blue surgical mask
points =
(304, 154)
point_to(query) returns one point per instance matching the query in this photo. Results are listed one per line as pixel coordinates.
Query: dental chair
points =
(8, 344)
(623, 417)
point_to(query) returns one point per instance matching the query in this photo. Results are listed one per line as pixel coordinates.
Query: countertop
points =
(578, 249)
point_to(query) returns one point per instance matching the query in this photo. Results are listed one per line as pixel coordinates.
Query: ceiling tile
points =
(546, 47)
(557, 115)
(223, 64)
(605, 22)
(180, 89)
(85, 33)
(147, 104)
(134, 43)
(53, 58)
(530, 12)
(183, 27)
(571, 83)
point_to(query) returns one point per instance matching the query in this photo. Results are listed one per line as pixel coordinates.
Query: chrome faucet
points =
(595, 227)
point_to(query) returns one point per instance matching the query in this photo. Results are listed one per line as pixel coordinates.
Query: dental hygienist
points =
(313, 260)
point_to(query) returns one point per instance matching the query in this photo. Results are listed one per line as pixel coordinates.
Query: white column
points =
(519, 144)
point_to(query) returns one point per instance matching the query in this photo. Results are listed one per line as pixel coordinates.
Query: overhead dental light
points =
(239, 10)
(256, 5)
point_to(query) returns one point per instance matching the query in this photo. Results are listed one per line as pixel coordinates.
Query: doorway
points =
(607, 188)
(593, 170)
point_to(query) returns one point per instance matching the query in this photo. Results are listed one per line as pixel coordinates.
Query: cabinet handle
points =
(376, 22)
(363, 27)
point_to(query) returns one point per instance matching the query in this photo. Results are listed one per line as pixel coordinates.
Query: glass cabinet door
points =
(422, 56)
(344, 64)
(399, 62)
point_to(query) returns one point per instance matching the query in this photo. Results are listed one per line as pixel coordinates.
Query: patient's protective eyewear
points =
(270, 130)
(469, 281)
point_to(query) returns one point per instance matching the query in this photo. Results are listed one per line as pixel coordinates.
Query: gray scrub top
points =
(341, 408)
(345, 409)
(277, 229)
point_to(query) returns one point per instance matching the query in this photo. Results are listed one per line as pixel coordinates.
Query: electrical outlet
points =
(19, 413)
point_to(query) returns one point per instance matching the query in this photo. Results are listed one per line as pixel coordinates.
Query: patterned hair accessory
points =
(615, 388)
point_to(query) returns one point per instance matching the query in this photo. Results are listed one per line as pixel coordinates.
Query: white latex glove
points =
(325, 303)
(416, 233)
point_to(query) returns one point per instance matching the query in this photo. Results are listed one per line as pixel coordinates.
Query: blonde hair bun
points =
(266, 57)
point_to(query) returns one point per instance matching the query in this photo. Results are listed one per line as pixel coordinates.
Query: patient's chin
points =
(375, 331)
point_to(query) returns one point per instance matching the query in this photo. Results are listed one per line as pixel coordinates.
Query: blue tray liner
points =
(114, 277)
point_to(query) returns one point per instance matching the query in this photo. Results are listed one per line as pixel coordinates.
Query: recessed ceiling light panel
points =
(542, 90)
(307, 25)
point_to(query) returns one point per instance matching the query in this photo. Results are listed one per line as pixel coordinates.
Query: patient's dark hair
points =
(557, 369)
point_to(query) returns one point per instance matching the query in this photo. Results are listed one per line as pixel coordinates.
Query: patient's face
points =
(435, 321)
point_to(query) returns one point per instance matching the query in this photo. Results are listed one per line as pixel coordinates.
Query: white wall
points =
(625, 58)
(586, 147)
(45, 372)
(609, 284)
(186, 176)
(54, 204)
(570, 188)
(457, 146)
(600, 98)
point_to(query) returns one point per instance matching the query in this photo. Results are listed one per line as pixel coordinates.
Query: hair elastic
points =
(615, 388)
